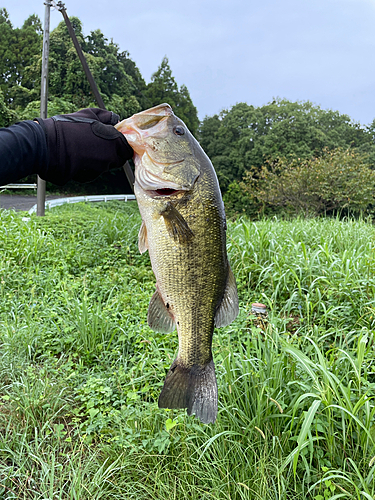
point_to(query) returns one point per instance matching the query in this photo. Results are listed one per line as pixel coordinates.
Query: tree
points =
(245, 136)
(139, 84)
(118, 78)
(7, 55)
(107, 64)
(7, 116)
(56, 106)
(18, 47)
(116, 75)
(186, 110)
(119, 81)
(163, 88)
(66, 77)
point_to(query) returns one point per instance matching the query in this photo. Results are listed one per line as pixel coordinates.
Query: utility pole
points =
(41, 193)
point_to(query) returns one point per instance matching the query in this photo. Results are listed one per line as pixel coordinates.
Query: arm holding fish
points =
(79, 146)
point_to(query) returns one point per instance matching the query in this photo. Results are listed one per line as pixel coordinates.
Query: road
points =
(15, 202)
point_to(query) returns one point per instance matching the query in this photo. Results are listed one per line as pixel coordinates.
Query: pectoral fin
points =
(228, 309)
(159, 318)
(177, 226)
(142, 238)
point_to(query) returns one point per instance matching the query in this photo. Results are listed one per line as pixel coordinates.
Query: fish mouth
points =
(164, 192)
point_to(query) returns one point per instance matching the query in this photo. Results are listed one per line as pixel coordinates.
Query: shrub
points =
(340, 181)
(238, 201)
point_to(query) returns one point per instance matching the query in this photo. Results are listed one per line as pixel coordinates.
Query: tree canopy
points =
(163, 88)
(246, 136)
(18, 47)
(119, 80)
(242, 139)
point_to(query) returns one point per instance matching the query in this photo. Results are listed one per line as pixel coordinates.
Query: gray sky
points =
(229, 51)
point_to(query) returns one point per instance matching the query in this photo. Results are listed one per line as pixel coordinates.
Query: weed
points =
(81, 371)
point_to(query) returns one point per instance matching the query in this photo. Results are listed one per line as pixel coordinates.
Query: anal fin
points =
(228, 308)
(159, 318)
(176, 225)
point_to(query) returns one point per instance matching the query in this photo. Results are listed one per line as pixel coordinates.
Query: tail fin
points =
(193, 388)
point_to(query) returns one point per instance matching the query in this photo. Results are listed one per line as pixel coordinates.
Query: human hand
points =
(82, 145)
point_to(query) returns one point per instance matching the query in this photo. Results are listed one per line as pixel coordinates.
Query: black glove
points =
(82, 145)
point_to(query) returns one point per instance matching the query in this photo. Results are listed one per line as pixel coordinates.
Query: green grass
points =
(81, 371)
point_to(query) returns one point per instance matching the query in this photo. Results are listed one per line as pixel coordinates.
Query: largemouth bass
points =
(184, 230)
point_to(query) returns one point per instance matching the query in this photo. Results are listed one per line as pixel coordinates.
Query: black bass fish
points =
(184, 230)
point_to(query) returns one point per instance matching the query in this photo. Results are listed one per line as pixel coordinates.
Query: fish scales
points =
(194, 279)
(184, 230)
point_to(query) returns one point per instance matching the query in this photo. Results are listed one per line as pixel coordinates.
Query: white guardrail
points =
(19, 186)
(77, 199)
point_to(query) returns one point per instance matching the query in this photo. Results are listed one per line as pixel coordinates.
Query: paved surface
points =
(15, 202)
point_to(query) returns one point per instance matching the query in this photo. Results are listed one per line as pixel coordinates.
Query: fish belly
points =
(191, 279)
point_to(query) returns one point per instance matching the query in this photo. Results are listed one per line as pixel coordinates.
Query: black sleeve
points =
(23, 151)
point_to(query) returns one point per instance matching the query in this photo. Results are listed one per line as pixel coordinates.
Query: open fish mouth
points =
(165, 192)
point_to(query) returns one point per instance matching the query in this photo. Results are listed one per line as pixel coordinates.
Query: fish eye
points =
(179, 130)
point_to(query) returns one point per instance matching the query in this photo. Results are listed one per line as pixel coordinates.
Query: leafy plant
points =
(339, 181)
(245, 136)
(81, 371)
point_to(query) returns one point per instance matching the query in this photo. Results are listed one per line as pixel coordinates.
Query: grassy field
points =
(81, 371)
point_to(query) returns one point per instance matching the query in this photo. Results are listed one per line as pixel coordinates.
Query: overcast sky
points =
(229, 51)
